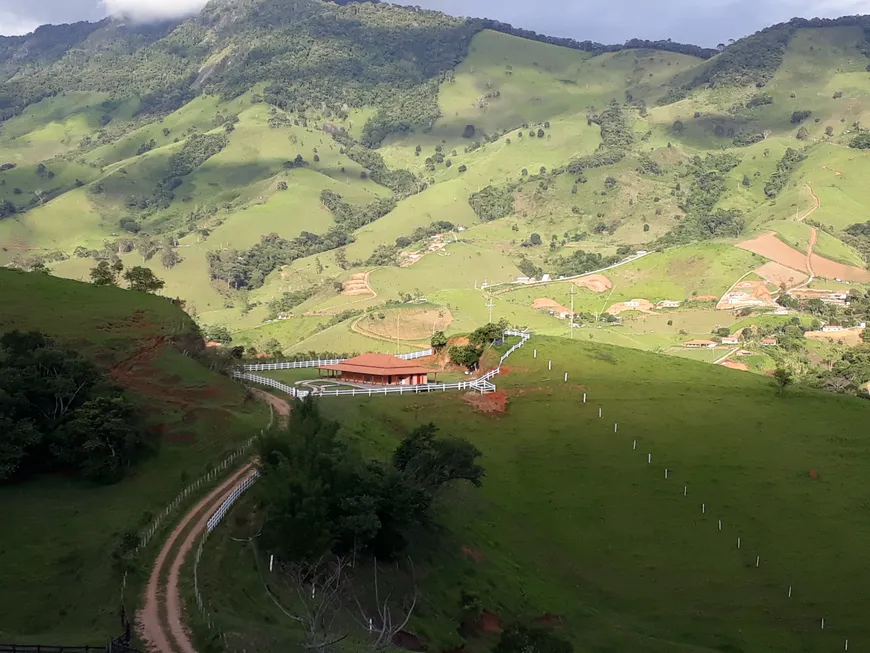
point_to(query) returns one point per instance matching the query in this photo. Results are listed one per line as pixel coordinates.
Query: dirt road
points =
(281, 406)
(160, 621)
(814, 236)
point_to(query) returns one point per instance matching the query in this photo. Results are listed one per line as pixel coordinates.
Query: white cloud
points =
(149, 10)
(12, 25)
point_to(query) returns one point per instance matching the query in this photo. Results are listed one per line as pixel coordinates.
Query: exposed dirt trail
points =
(156, 614)
(814, 236)
(281, 406)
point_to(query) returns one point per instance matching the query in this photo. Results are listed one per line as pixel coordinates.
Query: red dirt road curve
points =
(160, 621)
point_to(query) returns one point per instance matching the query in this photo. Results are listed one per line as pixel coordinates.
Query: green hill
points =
(573, 522)
(64, 560)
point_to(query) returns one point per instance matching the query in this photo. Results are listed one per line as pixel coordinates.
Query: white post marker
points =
(615, 427)
(685, 490)
(703, 508)
(823, 623)
(549, 365)
(738, 546)
(584, 397)
(271, 561)
(535, 354)
(846, 647)
(599, 411)
(649, 458)
(757, 560)
(566, 376)
(635, 445)
(720, 524)
(789, 591)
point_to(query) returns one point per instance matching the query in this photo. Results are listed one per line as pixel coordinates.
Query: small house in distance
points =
(768, 342)
(730, 340)
(378, 369)
(700, 344)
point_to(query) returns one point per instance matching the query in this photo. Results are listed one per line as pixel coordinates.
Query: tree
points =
(747, 181)
(40, 268)
(463, 168)
(829, 131)
(218, 333)
(799, 116)
(678, 127)
(438, 341)
(469, 131)
(282, 185)
(106, 274)
(645, 227)
(783, 378)
(802, 134)
(434, 463)
(465, 355)
(143, 279)
(541, 133)
(535, 239)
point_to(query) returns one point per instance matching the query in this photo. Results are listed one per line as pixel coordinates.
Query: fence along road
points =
(481, 384)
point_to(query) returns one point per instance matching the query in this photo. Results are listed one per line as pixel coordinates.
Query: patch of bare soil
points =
(642, 305)
(474, 554)
(494, 402)
(546, 304)
(594, 282)
(704, 298)
(779, 274)
(735, 365)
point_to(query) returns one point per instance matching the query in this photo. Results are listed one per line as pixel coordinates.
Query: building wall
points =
(393, 379)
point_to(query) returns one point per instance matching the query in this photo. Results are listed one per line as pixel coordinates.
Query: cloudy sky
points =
(705, 23)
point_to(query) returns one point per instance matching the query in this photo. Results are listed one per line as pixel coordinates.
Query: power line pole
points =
(571, 317)
(490, 305)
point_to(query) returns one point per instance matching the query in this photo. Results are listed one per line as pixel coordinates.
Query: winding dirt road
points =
(160, 621)
(814, 236)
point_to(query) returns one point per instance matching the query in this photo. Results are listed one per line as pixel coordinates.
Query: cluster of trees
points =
(784, 168)
(422, 233)
(248, 269)
(321, 497)
(469, 355)
(402, 182)
(492, 202)
(289, 300)
(858, 236)
(58, 412)
(861, 141)
(351, 217)
(702, 221)
(580, 262)
(137, 277)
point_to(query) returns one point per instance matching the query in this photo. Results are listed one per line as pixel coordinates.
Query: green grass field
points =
(573, 521)
(65, 587)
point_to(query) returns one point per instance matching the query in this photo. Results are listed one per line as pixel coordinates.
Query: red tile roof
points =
(378, 365)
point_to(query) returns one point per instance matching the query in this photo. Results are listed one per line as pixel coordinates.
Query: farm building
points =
(828, 328)
(669, 303)
(378, 369)
(730, 340)
(698, 344)
(769, 342)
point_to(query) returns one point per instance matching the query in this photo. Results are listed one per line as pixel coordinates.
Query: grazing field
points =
(573, 521)
(65, 588)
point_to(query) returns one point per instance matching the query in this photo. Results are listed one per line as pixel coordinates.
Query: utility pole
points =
(490, 305)
(571, 317)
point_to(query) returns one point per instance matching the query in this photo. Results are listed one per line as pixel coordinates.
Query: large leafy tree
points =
(143, 279)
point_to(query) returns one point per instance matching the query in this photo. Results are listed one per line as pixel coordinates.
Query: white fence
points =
(295, 365)
(213, 521)
(481, 384)
(154, 526)
(221, 512)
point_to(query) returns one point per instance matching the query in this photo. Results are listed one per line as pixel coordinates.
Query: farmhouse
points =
(828, 328)
(378, 369)
(668, 303)
(699, 344)
(730, 340)
(769, 342)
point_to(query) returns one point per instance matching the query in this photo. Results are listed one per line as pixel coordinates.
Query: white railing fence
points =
(481, 384)
(213, 521)
(295, 365)
(211, 476)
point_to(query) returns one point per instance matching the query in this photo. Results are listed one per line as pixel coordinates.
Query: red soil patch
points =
(643, 305)
(548, 618)
(829, 269)
(594, 282)
(543, 303)
(474, 554)
(814, 475)
(778, 274)
(409, 642)
(735, 365)
(494, 402)
(490, 623)
(704, 298)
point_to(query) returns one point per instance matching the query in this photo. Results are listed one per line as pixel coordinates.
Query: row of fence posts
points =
(685, 490)
(213, 521)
